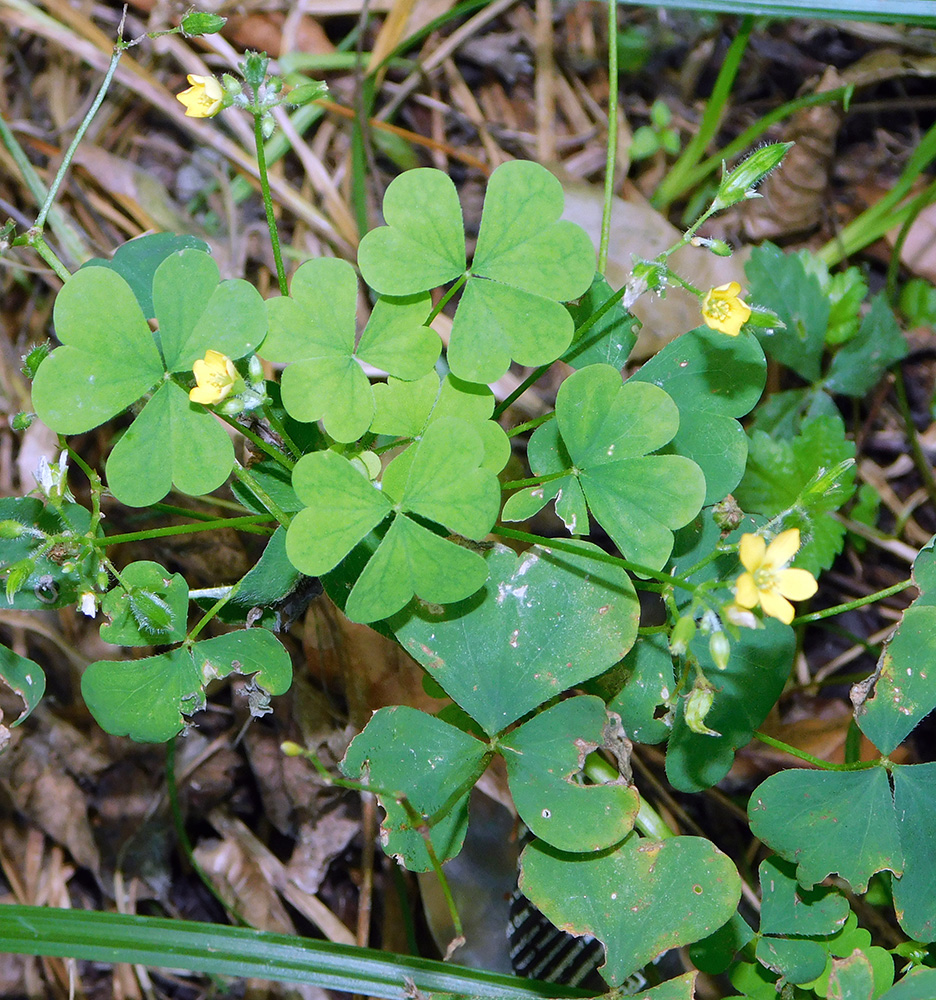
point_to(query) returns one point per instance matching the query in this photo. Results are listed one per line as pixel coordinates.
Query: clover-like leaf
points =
(136, 262)
(149, 699)
(789, 909)
(170, 442)
(148, 608)
(649, 688)
(443, 481)
(829, 822)
(712, 379)
(640, 898)
(526, 263)
(915, 808)
(109, 358)
(544, 755)
(903, 690)
(406, 409)
(516, 644)
(405, 752)
(602, 435)
(315, 329)
(25, 678)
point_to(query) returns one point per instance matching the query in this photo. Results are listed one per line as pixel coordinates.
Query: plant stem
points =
(241, 523)
(860, 602)
(79, 135)
(818, 761)
(611, 160)
(531, 425)
(250, 481)
(36, 240)
(563, 545)
(535, 480)
(268, 203)
(266, 448)
(446, 298)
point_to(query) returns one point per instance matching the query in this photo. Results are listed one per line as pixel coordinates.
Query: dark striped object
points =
(539, 950)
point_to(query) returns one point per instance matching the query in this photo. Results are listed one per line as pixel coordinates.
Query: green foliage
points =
(315, 329)
(150, 699)
(802, 479)
(712, 379)
(24, 678)
(902, 690)
(520, 633)
(444, 482)
(87, 381)
(601, 439)
(526, 262)
(640, 898)
(148, 607)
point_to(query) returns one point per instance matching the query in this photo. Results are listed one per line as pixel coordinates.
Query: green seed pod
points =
(697, 707)
(11, 529)
(198, 22)
(150, 612)
(739, 184)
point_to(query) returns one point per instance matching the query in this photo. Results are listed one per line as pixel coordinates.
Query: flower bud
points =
(719, 649)
(35, 357)
(22, 421)
(682, 634)
(11, 529)
(739, 184)
(268, 126)
(306, 92)
(718, 247)
(727, 514)
(255, 67)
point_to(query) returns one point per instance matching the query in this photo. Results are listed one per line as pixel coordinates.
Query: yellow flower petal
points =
(775, 606)
(204, 98)
(724, 310)
(745, 591)
(215, 375)
(751, 551)
(797, 584)
(782, 549)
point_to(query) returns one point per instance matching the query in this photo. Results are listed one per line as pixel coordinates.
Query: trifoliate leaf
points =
(605, 430)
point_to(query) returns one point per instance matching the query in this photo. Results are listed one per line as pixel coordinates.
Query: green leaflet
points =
(149, 699)
(315, 329)
(516, 644)
(109, 359)
(527, 261)
(444, 481)
(601, 436)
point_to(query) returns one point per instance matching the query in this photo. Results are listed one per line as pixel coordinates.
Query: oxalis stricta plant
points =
(390, 491)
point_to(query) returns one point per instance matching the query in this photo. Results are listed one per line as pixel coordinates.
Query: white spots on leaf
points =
(514, 638)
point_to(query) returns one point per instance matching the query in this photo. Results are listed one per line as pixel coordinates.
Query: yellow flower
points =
(215, 376)
(203, 99)
(768, 581)
(724, 310)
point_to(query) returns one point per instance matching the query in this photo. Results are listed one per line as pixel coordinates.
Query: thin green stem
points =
(570, 546)
(213, 611)
(535, 376)
(860, 602)
(79, 135)
(534, 480)
(817, 761)
(531, 424)
(240, 523)
(36, 240)
(675, 181)
(280, 428)
(250, 481)
(611, 160)
(268, 203)
(264, 446)
(446, 298)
